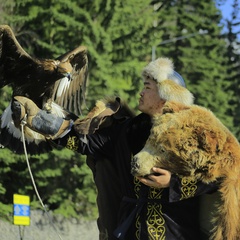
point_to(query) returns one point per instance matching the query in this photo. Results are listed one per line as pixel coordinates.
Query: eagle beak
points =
(68, 75)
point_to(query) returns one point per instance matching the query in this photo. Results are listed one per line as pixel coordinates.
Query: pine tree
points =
(118, 50)
(232, 36)
(192, 38)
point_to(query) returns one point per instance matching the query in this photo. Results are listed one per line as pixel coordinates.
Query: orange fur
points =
(192, 142)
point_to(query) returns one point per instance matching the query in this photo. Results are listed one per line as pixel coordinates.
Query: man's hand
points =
(49, 125)
(161, 178)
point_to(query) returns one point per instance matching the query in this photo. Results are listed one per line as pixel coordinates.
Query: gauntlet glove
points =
(47, 124)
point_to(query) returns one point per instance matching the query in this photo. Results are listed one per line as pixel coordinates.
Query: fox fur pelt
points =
(191, 142)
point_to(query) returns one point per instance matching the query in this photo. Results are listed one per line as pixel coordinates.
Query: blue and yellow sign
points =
(21, 209)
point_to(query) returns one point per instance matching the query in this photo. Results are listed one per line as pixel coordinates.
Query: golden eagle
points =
(45, 81)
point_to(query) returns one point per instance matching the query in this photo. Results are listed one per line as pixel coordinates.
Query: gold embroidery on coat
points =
(137, 187)
(154, 219)
(188, 188)
(72, 143)
(155, 222)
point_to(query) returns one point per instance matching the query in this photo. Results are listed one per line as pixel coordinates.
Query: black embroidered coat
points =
(127, 209)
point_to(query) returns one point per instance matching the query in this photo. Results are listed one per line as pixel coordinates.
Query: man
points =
(159, 206)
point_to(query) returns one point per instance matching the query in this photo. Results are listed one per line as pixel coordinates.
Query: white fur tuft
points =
(159, 69)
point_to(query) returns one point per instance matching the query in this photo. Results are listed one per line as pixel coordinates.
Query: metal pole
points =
(201, 32)
(21, 233)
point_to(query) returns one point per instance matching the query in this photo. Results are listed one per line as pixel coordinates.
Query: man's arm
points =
(61, 131)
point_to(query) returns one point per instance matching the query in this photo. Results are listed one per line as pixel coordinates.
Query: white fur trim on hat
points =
(170, 91)
(159, 69)
(162, 69)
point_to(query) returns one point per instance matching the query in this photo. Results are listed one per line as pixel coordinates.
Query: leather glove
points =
(47, 124)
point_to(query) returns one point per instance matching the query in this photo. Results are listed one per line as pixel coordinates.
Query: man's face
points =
(150, 101)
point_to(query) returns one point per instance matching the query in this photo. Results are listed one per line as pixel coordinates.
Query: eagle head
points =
(64, 69)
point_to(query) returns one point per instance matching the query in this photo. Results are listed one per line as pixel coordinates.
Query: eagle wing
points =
(12, 57)
(70, 93)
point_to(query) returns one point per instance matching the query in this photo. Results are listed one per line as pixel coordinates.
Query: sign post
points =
(21, 210)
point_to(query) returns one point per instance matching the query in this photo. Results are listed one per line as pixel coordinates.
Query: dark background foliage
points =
(121, 37)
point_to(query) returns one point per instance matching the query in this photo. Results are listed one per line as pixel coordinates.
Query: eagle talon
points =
(48, 108)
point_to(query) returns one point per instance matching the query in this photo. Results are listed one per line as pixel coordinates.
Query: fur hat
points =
(170, 83)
